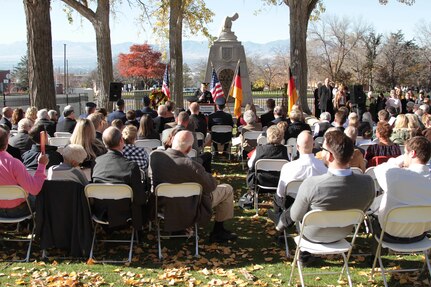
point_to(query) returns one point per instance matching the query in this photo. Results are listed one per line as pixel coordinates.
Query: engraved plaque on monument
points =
(226, 53)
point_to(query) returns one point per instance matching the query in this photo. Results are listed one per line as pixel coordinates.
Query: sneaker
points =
(222, 236)
(246, 201)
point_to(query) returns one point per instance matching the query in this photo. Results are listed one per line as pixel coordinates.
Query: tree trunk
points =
(39, 49)
(104, 52)
(100, 21)
(300, 12)
(176, 50)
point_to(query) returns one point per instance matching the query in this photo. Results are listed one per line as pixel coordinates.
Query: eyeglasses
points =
(326, 150)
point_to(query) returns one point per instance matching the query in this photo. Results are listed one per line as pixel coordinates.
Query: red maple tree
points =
(141, 63)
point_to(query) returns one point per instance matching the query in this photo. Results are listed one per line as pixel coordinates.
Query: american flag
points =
(215, 87)
(165, 85)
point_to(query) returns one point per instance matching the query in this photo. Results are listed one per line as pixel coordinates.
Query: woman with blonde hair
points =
(84, 134)
(340, 98)
(132, 152)
(31, 114)
(401, 131)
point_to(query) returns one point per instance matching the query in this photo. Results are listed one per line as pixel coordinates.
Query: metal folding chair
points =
(250, 135)
(11, 192)
(222, 129)
(148, 144)
(405, 221)
(62, 135)
(169, 190)
(111, 191)
(265, 165)
(59, 141)
(326, 219)
(292, 150)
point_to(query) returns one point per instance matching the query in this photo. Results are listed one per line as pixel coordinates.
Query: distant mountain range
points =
(82, 57)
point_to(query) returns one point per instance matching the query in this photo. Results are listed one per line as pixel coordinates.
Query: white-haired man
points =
(22, 139)
(174, 166)
(43, 119)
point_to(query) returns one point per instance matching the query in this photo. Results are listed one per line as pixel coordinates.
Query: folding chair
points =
(291, 187)
(169, 190)
(326, 219)
(292, 150)
(375, 161)
(250, 135)
(114, 192)
(222, 129)
(265, 165)
(192, 153)
(262, 140)
(356, 170)
(62, 135)
(370, 171)
(404, 221)
(318, 142)
(11, 192)
(59, 141)
(148, 144)
(200, 137)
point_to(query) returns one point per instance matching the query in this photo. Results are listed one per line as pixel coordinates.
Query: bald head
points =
(305, 142)
(183, 142)
(194, 108)
(112, 138)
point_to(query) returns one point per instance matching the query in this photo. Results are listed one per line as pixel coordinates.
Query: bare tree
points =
(338, 37)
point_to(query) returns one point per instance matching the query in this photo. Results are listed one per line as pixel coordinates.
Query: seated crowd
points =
(106, 148)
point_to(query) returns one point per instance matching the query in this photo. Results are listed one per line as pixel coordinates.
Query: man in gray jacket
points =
(339, 189)
(174, 166)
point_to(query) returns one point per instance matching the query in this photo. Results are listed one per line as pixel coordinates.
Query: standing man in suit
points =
(7, 115)
(325, 97)
(113, 167)
(68, 123)
(268, 117)
(220, 118)
(203, 95)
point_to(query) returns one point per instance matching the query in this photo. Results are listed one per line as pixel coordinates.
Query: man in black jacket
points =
(68, 123)
(268, 117)
(220, 118)
(113, 167)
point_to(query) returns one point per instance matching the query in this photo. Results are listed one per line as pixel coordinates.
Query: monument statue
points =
(226, 33)
(224, 55)
(228, 22)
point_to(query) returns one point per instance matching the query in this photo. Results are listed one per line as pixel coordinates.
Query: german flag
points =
(236, 92)
(291, 92)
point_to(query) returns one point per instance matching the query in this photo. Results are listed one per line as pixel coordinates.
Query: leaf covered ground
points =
(257, 258)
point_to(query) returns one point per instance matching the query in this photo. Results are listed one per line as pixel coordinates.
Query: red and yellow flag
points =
(291, 92)
(236, 92)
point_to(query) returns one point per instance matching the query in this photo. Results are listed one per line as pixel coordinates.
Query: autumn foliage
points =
(141, 63)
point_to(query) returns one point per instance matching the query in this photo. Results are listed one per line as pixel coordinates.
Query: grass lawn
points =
(255, 259)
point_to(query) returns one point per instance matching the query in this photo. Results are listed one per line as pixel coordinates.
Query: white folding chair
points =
(192, 153)
(292, 150)
(111, 191)
(402, 148)
(250, 135)
(148, 144)
(318, 142)
(222, 129)
(356, 170)
(11, 192)
(59, 141)
(265, 165)
(200, 137)
(13, 133)
(327, 219)
(262, 140)
(62, 135)
(291, 188)
(169, 190)
(405, 221)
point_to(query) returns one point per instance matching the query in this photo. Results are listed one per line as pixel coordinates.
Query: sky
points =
(270, 24)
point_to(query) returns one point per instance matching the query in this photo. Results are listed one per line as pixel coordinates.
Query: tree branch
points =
(89, 14)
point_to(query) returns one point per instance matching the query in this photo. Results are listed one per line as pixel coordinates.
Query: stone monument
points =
(224, 55)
